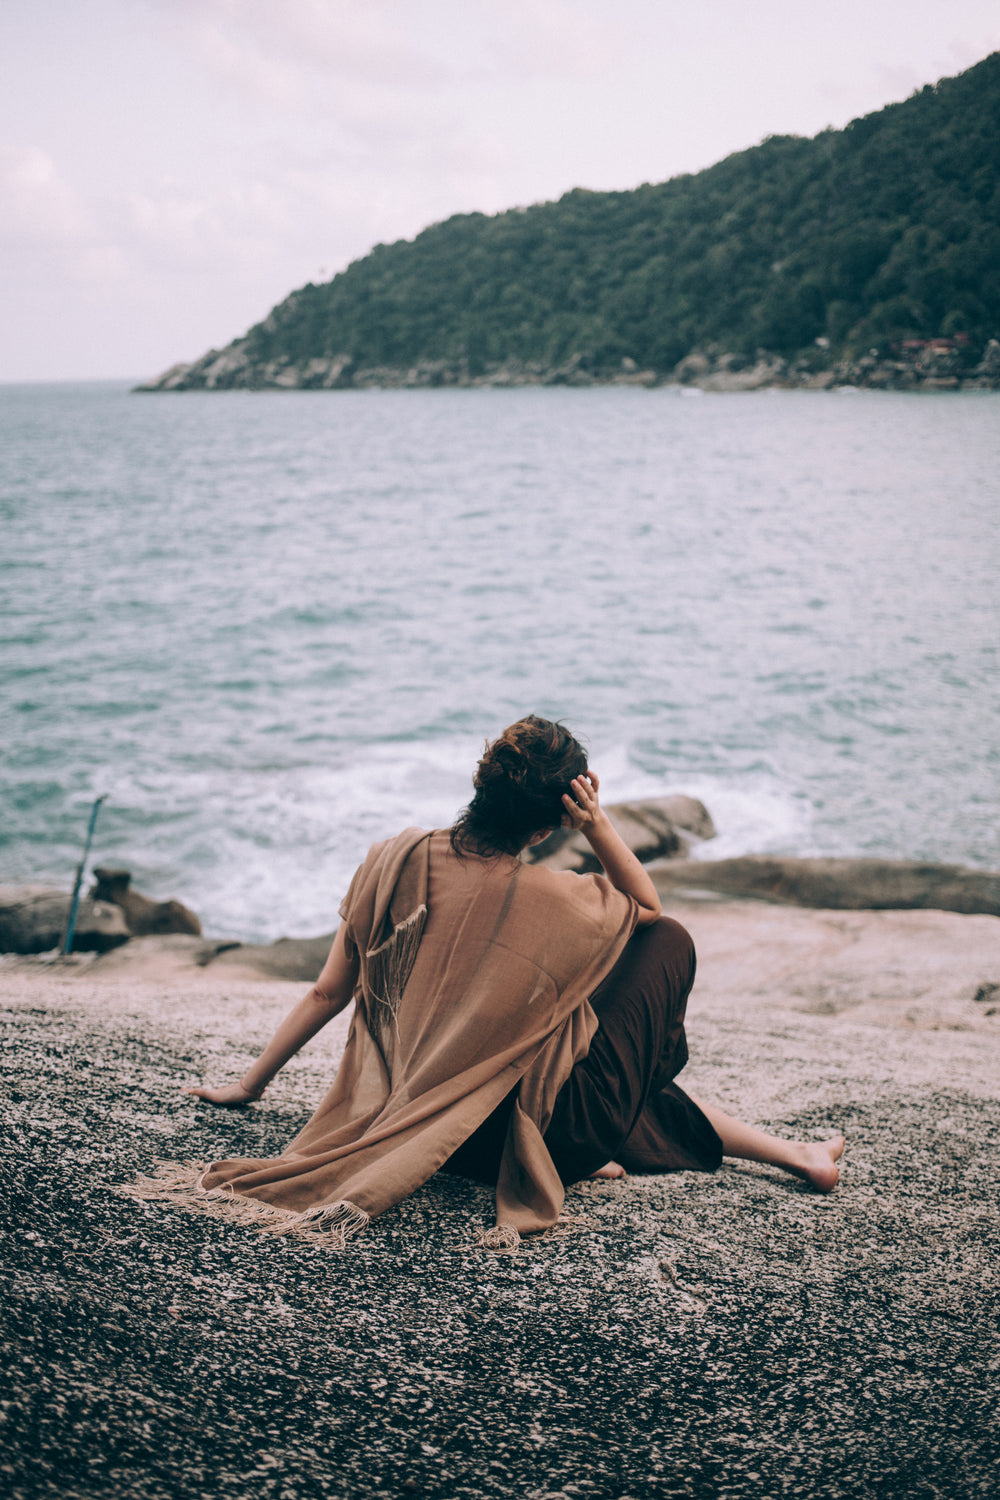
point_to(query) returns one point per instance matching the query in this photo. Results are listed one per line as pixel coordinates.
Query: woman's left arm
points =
(331, 994)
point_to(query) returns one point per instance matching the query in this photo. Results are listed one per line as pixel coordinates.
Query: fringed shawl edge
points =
(180, 1185)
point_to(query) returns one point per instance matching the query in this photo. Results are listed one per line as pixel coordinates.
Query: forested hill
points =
(871, 252)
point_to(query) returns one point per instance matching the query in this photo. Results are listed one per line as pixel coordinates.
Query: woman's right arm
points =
(331, 994)
(623, 869)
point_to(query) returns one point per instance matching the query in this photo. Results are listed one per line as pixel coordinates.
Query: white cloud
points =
(349, 42)
(551, 39)
(175, 228)
(303, 54)
(238, 61)
(101, 267)
(45, 224)
(358, 62)
(36, 205)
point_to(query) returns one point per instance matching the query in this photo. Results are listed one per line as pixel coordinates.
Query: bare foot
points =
(610, 1169)
(816, 1162)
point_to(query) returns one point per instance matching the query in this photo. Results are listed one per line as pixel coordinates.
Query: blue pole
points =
(74, 904)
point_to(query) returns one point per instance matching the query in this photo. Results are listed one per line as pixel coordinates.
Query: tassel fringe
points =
(389, 968)
(502, 1238)
(180, 1185)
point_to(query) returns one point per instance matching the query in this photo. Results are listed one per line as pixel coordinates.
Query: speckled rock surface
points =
(686, 1336)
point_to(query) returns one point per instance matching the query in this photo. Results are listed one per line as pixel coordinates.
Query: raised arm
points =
(621, 866)
(330, 995)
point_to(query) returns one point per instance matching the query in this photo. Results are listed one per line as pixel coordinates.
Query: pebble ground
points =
(689, 1336)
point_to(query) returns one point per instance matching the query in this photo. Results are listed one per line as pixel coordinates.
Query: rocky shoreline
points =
(127, 933)
(915, 365)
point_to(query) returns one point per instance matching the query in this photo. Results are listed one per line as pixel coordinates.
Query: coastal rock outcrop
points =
(297, 959)
(144, 917)
(731, 372)
(838, 884)
(172, 953)
(653, 828)
(286, 958)
(235, 368)
(944, 364)
(33, 920)
(939, 364)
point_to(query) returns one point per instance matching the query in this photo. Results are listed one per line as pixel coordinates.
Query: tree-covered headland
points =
(869, 254)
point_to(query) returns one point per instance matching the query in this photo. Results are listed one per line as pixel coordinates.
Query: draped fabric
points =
(473, 977)
(620, 1103)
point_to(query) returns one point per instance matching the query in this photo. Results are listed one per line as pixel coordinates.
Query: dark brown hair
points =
(519, 785)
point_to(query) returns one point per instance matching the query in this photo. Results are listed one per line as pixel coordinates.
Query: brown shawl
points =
(473, 978)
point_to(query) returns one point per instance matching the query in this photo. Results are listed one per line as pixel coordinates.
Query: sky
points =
(170, 169)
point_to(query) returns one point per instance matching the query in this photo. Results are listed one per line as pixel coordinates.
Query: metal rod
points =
(74, 904)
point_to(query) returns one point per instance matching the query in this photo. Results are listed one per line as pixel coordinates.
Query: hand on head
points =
(581, 804)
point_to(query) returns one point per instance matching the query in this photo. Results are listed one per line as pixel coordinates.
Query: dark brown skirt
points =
(621, 1103)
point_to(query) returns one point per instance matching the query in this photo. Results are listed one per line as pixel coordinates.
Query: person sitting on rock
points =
(517, 1024)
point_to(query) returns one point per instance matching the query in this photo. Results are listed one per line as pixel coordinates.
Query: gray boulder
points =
(989, 365)
(33, 920)
(144, 917)
(838, 884)
(160, 956)
(286, 958)
(653, 828)
(767, 371)
(692, 367)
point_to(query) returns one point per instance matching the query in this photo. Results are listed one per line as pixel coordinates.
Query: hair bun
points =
(511, 761)
(519, 784)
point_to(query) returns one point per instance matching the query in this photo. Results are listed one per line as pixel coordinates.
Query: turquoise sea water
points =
(274, 627)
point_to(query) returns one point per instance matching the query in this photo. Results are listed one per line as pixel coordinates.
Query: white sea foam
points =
(286, 871)
(752, 818)
(269, 852)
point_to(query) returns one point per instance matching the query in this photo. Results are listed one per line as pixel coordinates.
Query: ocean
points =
(274, 627)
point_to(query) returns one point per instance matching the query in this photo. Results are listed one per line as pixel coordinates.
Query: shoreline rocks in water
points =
(654, 828)
(838, 884)
(33, 919)
(143, 916)
(132, 933)
(941, 364)
(285, 958)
